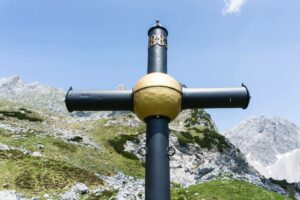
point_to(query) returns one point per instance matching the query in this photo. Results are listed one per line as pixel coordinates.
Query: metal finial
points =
(157, 21)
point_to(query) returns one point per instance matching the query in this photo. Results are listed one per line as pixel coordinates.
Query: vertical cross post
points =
(157, 99)
(157, 181)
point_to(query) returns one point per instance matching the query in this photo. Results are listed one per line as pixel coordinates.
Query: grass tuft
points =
(112, 139)
(21, 115)
(39, 174)
(118, 143)
(25, 180)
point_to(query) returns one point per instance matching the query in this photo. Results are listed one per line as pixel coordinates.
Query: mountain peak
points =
(9, 82)
(32, 94)
(10, 78)
(265, 140)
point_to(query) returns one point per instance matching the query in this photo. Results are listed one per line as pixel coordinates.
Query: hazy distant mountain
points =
(271, 145)
(42, 96)
(33, 94)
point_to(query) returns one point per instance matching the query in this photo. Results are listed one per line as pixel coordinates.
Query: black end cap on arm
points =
(248, 96)
(66, 100)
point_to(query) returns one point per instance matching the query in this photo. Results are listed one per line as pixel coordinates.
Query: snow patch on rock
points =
(286, 167)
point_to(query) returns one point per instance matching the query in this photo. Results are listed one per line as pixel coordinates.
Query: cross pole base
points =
(157, 182)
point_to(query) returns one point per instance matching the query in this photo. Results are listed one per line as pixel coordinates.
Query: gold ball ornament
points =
(157, 94)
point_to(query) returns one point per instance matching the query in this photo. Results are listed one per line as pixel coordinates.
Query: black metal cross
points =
(156, 99)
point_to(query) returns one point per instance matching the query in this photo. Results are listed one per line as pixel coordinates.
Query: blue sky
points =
(100, 44)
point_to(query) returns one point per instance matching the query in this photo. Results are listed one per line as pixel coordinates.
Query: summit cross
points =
(157, 99)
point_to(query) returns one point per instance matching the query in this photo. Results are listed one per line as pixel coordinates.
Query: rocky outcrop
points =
(192, 118)
(128, 188)
(75, 192)
(193, 164)
(11, 195)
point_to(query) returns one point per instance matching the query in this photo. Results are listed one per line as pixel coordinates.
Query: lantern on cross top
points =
(157, 99)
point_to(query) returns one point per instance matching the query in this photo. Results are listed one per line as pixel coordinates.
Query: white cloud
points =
(233, 6)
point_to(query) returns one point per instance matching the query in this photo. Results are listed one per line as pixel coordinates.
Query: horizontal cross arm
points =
(99, 100)
(215, 97)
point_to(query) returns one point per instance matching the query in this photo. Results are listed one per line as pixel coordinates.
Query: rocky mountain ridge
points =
(44, 97)
(271, 145)
(33, 94)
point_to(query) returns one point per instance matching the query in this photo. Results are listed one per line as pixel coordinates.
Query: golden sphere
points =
(157, 94)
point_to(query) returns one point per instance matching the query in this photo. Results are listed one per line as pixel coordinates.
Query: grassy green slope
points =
(224, 190)
(112, 138)
(63, 164)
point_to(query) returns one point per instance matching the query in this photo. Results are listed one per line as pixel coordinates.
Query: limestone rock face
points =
(10, 195)
(127, 187)
(193, 164)
(80, 188)
(70, 195)
(271, 146)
